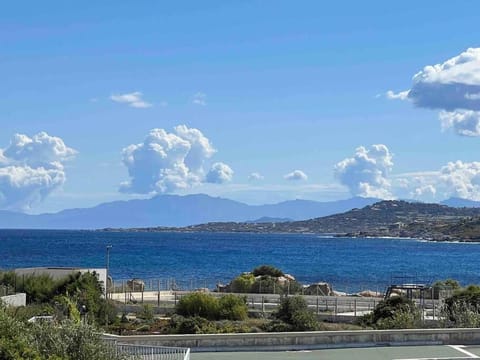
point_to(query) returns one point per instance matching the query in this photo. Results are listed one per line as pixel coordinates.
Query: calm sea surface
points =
(201, 259)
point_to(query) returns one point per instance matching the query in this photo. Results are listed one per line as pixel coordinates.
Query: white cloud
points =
(133, 99)
(255, 176)
(200, 99)
(402, 95)
(219, 173)
(452, 87)
(167, 162)
(31, 168)
(461, 179)
(296, 175)
(366, 173)
(464, 122)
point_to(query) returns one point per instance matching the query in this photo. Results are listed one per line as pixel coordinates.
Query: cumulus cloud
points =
(219, 173)
(200, 99)
(461, 179)
(452, 87)
(366, 173)
(133, 99)
(464, 122)
(31, 168)
(255, 176)
(296, 175)
(165, 162)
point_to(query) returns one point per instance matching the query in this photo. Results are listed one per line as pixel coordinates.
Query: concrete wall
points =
(307, 340)
(19, 299)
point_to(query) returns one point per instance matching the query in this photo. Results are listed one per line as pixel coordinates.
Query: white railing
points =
(153, 352)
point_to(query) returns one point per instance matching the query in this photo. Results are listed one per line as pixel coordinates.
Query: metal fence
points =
(146, 352)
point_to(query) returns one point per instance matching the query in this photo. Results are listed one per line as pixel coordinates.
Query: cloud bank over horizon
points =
(166, 162)
(32, 168)
(453, 87)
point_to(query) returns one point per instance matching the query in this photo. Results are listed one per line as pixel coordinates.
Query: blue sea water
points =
(199, 259)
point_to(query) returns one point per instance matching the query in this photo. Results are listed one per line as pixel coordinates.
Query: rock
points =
(136, 285)
(320, 288)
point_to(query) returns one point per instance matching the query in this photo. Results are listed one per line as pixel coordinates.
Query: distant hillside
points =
(175, 210)
(459, 202)
(384, 218)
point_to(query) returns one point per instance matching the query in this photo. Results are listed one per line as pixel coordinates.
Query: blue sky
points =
(273, 87)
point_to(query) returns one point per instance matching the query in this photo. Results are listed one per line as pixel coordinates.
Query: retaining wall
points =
(307, 340)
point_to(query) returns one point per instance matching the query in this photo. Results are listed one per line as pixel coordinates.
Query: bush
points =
(192, 325)
(233, 307)
(242, 284)
(198, 304)
(267, 270)
(294, 311)
(463, 308)
(46, 341)
(396, 312)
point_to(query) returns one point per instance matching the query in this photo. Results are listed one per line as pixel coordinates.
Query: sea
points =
(197, 260)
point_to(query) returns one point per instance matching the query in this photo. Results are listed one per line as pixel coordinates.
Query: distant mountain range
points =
(394, 218)
(181, 211)
(175, 210)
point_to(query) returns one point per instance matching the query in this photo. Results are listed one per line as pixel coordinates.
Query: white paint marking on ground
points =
(462, 350)
(459, 348)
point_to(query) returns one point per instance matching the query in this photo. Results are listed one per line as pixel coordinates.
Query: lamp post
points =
(108, 268)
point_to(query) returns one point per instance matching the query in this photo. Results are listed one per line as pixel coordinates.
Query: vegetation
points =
(197, 304)
(294, 312)
(267, 270)
(396, 312)
(47, 341)
(63, 297)
(462, 309)
(264, 279)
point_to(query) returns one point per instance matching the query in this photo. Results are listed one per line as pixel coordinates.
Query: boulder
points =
(136, 285)
(320, 288)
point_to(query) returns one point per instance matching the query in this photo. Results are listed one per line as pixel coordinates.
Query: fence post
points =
(317, 306)
(355, 308)
(158, 297)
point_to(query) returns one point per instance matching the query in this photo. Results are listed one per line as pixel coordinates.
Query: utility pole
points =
(108, 268)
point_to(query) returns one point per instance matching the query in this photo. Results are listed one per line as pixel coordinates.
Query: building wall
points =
(19, 299)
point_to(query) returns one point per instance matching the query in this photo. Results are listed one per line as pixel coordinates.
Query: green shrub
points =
(396, 312)
(294, 311)
(242, 284)
(267, 270)
(232, 307)
(200, 305)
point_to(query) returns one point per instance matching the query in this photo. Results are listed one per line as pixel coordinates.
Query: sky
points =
(256, 101)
